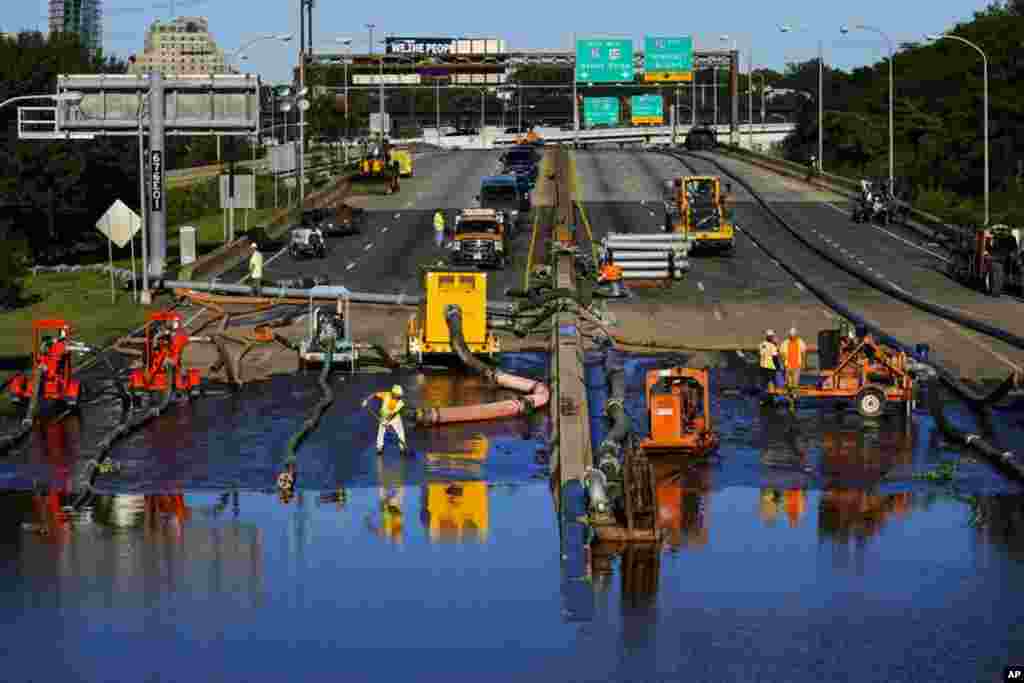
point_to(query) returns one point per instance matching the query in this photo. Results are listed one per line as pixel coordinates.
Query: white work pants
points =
(394, 423)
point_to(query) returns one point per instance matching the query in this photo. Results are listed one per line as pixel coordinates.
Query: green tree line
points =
(937, 114)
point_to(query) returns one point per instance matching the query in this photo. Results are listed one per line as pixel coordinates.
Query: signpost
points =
(600, 111)
(119, 224)
(604, 60)
(668, 59)
(647, 109)
(156, 179)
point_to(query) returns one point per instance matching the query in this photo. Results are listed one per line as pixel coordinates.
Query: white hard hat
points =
(792, 332)
(769, 333)
(396, 390)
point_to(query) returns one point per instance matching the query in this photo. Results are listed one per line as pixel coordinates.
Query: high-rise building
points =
(180, 46)
(83, 17)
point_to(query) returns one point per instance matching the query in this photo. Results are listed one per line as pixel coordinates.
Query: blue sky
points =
(538, 24)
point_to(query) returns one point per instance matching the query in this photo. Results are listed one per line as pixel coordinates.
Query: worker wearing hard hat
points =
(770, 364)
(256, 269)
(390, 416)
(794, 355)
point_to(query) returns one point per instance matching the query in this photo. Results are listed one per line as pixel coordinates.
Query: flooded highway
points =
(806, 549)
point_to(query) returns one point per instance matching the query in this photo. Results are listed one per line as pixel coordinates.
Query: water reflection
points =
(389, 521)
(683, 495)
(135, 547)
(456, 510)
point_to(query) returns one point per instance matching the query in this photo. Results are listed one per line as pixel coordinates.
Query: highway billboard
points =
(647, 109)
(604, 60)
(668, 59)
(600, 111)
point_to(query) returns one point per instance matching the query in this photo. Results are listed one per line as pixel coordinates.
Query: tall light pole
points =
(844, 30)
(240, 52)
(750, 97)
(347, 43)
(984, 61)
(371, 27)
(821, 99)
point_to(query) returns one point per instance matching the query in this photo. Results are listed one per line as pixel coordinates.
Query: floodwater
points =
(801, 552)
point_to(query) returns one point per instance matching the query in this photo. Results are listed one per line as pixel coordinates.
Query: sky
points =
(536, 24)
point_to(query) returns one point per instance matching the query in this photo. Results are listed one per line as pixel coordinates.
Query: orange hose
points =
(537, 396)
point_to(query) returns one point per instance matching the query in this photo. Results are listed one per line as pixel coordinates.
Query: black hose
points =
(876, 282)
(948, 377)
(453, 315)
(1005, 460)
(96, 465)
(8, 441)
(611, 448)
(286, 481)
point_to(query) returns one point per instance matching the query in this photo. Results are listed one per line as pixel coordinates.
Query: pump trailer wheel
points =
(870, 402)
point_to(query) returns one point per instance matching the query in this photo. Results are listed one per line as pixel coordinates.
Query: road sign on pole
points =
(668, 59)
(600, 111)
(604, 60)
(647, 109)
(119, 224)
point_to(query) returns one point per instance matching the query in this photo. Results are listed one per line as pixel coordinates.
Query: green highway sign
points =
(647, 109)
(668, 59)
(604, 60)
(600, 110)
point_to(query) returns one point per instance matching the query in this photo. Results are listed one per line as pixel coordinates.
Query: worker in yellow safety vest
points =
(390, 416)
(794, 355)
(438, 228)
(770, 364)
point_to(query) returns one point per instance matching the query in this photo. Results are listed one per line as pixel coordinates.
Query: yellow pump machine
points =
(427, 332)
(701, 213)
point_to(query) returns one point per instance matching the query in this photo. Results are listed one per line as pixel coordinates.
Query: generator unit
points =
(329, 331)
(427, 331)
(679, 410)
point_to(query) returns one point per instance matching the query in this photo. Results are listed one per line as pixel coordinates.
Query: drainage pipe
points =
(537, 393)
(614, 408)
(298, 296)
(1005, 460)
(948, 377)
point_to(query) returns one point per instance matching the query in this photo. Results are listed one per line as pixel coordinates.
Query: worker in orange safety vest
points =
(390, 417)
(794, 355)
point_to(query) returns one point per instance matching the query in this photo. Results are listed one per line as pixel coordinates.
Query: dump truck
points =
(427, 332)
(696, 206)
(992, 259)
(503, 193)
(480, 238)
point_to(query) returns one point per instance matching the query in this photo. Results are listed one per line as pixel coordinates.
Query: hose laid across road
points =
(537, 393)
(948, 377)
(313, 420)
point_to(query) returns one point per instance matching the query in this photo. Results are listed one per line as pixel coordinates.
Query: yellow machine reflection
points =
(458, 510)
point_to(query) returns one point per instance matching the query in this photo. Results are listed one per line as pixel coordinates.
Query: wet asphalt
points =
(807, 548)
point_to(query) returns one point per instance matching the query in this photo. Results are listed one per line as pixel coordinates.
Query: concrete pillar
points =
(157, 193)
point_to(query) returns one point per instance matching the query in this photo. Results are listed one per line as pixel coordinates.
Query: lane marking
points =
(981, 345)
(800, 287)
(718, 314)
(384, 229)
(271, 259)
(700, 286)
(368, 247)
(350, 266)
(892, 235)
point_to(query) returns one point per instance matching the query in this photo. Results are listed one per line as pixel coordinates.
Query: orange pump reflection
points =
(683, 495)
(458, 511)
(792, 503)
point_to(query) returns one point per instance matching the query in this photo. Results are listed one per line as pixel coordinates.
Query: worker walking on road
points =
(390, 416)
(256, 269)
(771, 365)
(439, 228)
(794, 354)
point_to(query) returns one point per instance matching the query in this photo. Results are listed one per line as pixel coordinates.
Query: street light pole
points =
(371, 27)
(984, 61)
(888, 42)
(821, 98)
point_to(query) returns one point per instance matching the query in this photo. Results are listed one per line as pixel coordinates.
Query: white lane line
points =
(271, 259)
(384, 229)
(982, 346)
(350, 266)
(700, 286)
(800, 287)
(893, 235)
(368, 247)
(718, 314)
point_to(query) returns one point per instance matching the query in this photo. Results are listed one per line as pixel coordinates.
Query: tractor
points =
(696, 206)
(993, 260)
(379, 167)
(165, 341)
(52, 347)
